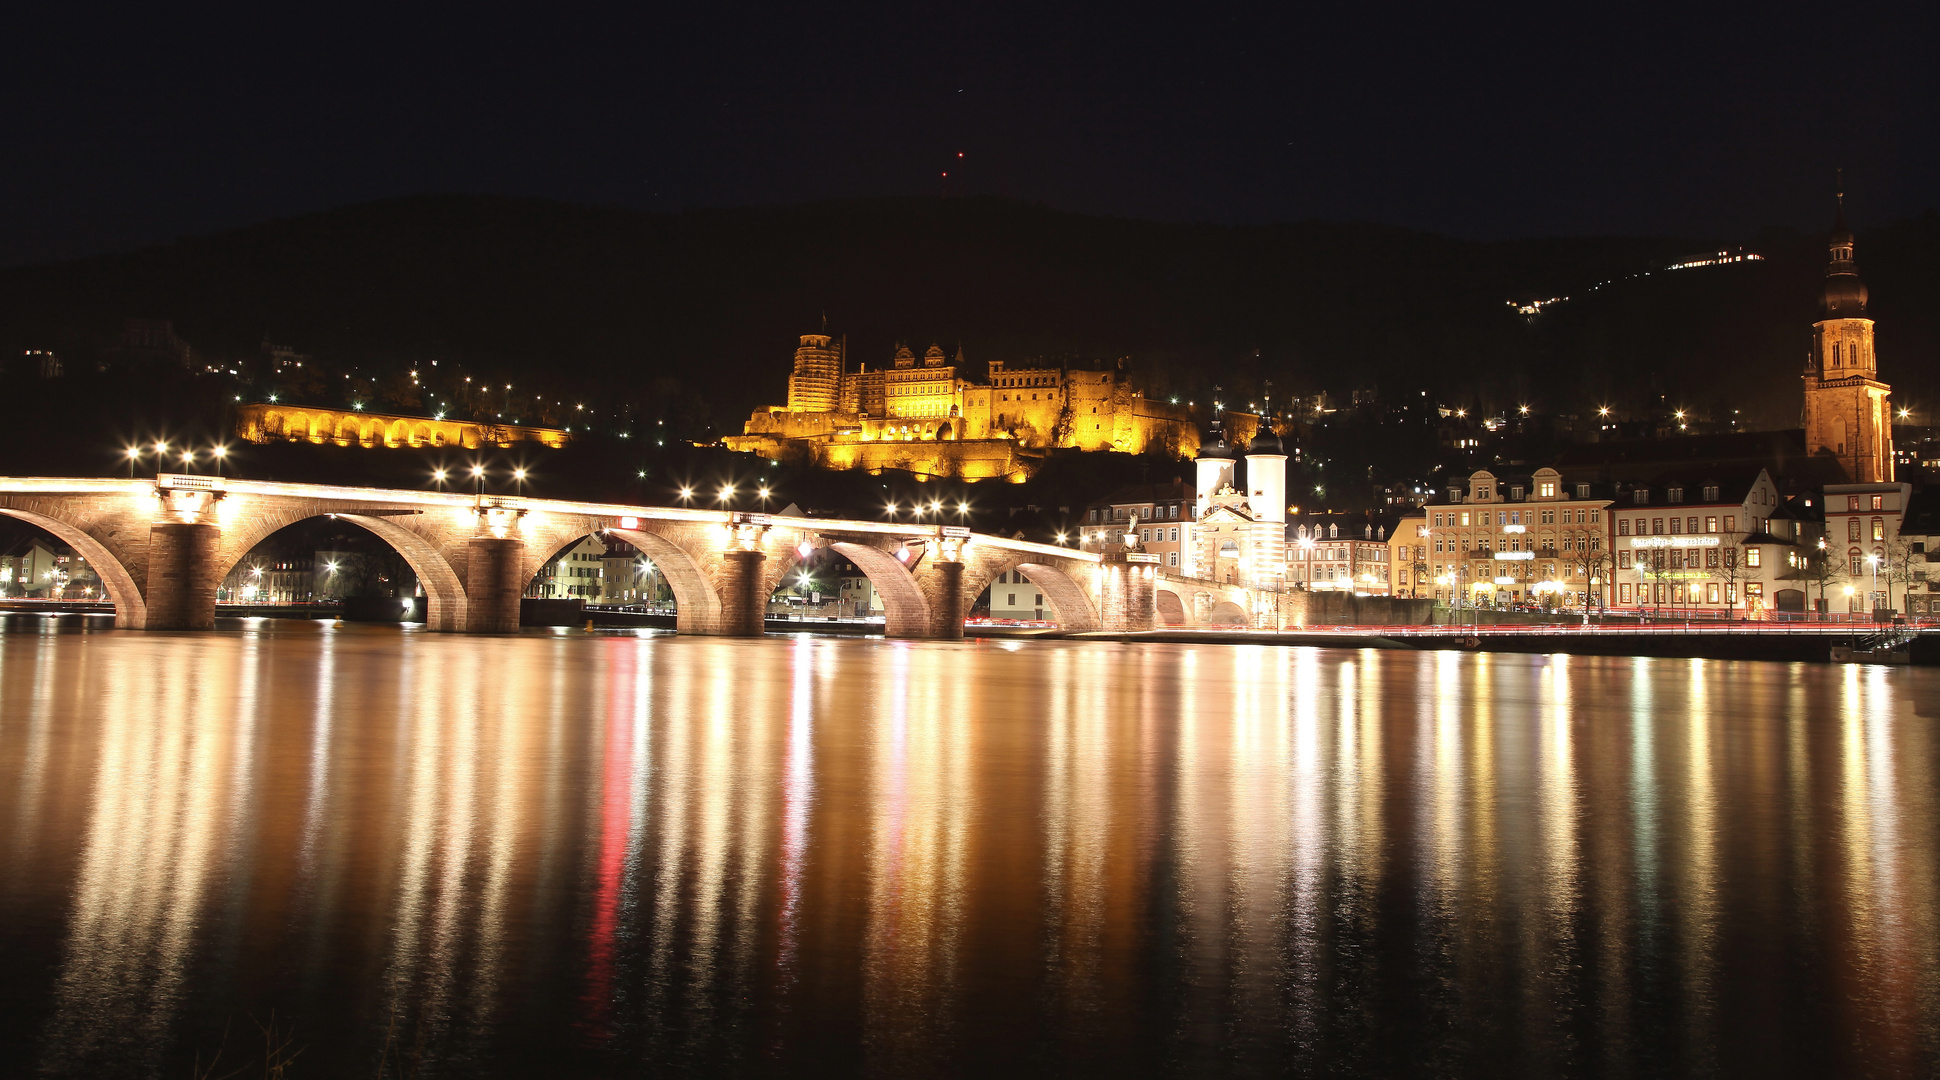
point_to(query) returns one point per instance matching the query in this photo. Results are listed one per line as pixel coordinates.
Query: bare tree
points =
(1818, 565)
(1900, 565)
(1593, 566)
(1727, 564)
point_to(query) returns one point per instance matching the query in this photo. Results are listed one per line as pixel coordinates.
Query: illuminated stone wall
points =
(271, 422)
(997, 427)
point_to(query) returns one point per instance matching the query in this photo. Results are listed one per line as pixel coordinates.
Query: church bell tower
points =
(1847, 414)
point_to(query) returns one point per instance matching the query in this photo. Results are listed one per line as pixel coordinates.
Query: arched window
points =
(1855, 563)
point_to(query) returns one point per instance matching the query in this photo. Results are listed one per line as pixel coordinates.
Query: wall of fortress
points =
(271, 422)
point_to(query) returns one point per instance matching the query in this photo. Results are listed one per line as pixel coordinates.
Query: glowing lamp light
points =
(518, 474)
(903, 554)
(629, 523)
(805, 549)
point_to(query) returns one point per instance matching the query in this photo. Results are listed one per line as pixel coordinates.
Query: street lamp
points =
(727, 492)
(478, 481)
(133, 453)
(219, 451)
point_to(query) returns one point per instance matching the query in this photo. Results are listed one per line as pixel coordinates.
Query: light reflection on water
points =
(572, 853)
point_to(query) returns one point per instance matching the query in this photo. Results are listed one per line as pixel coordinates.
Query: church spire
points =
(1845, 294)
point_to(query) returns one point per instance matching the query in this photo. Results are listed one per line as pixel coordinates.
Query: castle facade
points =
(928, 416)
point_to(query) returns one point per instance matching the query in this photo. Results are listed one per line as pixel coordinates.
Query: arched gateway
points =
(162, 546)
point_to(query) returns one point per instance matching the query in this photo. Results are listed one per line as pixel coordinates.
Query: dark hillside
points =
(691, 318)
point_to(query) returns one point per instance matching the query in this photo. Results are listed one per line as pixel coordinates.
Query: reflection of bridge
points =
(162, 546)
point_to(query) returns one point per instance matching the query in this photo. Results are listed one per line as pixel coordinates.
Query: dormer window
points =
(1641, 496)
(1481, 494)
(1515, 493)
(1675, 495)
(1710, 493)
(1582, 491)
(1546, 490)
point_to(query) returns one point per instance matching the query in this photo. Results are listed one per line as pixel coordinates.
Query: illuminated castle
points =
(1847, 414)
(928, 417)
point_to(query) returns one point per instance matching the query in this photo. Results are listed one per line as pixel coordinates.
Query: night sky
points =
(1491, 121)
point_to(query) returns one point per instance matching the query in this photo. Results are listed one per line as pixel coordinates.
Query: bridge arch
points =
(906, 611)
(1070, 601)
(131, 607)
(1227, 613)
(1172, 608)
(697, 604)
(445, 601)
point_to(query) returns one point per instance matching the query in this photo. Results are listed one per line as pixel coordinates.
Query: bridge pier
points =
(947, 606)
(494, 580)
(1128, 597)
(744, 604)
(183, 573)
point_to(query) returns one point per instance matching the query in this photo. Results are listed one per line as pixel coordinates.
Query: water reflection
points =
(469, 856)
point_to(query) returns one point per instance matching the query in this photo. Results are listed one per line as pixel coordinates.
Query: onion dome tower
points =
(1215, 463)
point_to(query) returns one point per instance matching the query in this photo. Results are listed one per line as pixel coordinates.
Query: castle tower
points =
(1847, 412)
(816, 382)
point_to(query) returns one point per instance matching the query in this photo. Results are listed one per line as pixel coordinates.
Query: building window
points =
(1171, 558)
(1623, 593)
(1879, 502)
(1711, 524)
(1677, 525)
(1623, 560)
(1623, 526)
(1546, 490)
(1752, 556)
(1641, 496)
(1656, 526)
(1852, 529)
(1675, 495)
(1852, 502)
(1879, 528)
(1854, 566)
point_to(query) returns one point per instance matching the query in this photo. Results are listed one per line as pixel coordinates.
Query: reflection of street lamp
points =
(1872, 596)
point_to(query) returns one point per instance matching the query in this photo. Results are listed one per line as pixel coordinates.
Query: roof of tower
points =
(1265, 442)
(1845, 294)
(1216, 447)
(1840, 232)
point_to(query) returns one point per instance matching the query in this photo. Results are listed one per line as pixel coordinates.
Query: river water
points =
(614, 854)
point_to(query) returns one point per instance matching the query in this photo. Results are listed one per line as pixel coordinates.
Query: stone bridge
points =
(161, 547)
